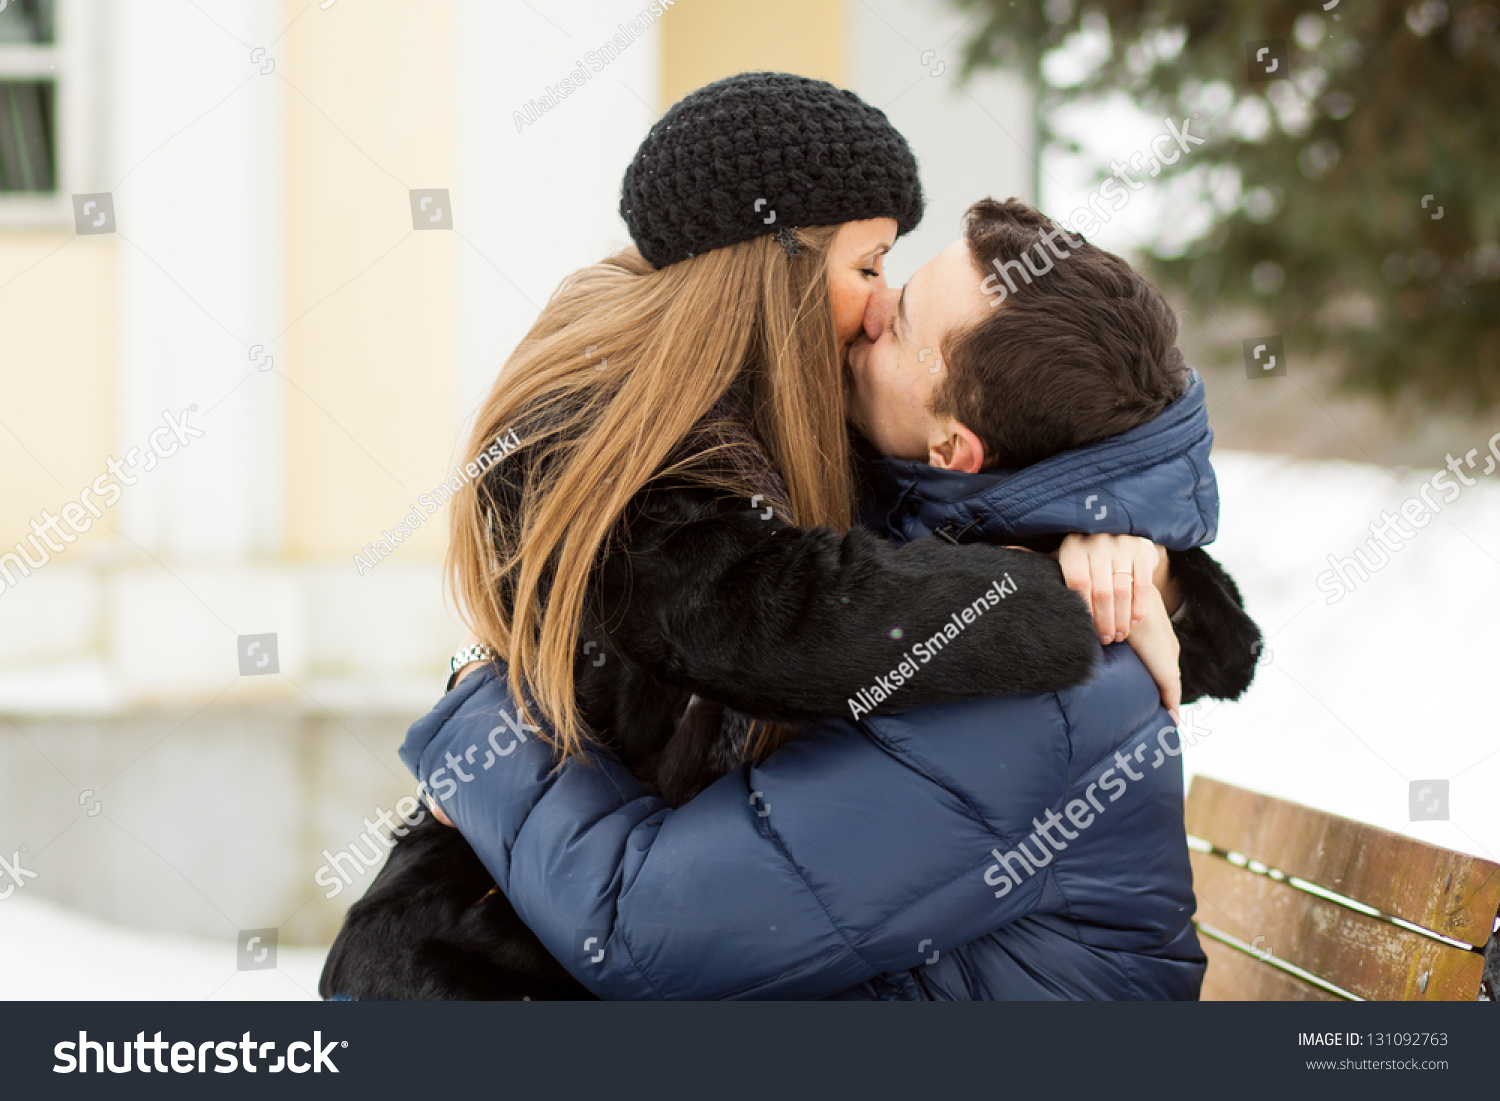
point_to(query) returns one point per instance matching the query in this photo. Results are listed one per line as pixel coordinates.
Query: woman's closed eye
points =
(874, 265)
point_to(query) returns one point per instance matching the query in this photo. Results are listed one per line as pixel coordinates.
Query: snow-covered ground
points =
(1357, 700)
(53, 952)
(1389, 686)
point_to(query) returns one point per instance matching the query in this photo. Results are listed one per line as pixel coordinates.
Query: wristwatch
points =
(468, 654)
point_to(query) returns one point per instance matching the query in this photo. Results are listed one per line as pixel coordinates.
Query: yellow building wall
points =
(57, 371)
(703, 40)
(370, 352)
(369, 357)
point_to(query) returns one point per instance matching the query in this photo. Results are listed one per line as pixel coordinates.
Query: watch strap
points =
(468, 654)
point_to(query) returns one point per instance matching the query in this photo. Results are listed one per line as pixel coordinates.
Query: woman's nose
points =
(877, 313)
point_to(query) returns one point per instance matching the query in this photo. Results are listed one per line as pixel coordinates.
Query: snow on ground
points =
(56, 953)
(1388, 686)
(1359, 698)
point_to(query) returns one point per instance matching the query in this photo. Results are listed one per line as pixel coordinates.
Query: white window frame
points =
(74, 104)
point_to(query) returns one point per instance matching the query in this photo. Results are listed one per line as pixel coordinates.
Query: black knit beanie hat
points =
(760, 152)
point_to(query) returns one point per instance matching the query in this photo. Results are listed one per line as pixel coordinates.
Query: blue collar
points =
(1154, 481)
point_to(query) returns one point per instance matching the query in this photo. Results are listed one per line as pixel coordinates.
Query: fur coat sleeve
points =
(1220, 642)
(788, 624)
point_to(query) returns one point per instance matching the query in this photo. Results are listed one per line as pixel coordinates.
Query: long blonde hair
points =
(621, 366)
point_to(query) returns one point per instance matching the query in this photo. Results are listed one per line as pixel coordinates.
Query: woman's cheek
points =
(849, 302)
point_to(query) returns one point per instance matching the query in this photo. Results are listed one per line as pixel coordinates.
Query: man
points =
(1021, 847)
(981, 367)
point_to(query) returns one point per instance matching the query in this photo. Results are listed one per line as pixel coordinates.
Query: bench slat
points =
(1363, 955)
(1234, 976)
(1448, 892)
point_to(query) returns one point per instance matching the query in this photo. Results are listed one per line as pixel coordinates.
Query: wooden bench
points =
(1295, 904)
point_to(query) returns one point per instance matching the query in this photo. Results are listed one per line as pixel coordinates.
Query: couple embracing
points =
(828, 636)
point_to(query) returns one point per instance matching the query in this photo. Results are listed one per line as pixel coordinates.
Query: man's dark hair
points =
(1077, 346)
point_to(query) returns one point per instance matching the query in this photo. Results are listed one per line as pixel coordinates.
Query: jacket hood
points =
(1154, 481)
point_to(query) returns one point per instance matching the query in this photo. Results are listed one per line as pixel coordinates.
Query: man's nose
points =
(878, 312)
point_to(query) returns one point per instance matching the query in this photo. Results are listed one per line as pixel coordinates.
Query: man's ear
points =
(958, 449)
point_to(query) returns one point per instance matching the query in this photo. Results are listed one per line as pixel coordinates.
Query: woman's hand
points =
(1155, 643)
(1119, 576)
(464, 671)
(1115, 574)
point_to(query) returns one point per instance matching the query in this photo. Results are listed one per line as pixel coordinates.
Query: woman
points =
(679, 407)
(664, 390)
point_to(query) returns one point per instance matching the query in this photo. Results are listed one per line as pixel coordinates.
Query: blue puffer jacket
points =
(1018, 847)
(1154, 481)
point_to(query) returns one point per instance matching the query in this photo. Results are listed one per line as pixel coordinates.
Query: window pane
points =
(27, 136)
(29, 21)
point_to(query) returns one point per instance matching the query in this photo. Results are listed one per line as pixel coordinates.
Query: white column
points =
(972, 140)
(541, 201)
(195, 159)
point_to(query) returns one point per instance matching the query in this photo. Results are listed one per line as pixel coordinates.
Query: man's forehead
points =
(940, 293)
